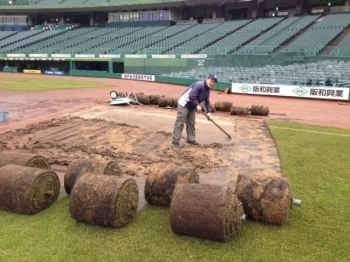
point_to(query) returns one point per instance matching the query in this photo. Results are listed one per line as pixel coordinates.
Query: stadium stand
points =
(321, 34)
(315, 73)
(343, 48)
(6, 34)
(274, 38)
(238, 38)
(112, 28)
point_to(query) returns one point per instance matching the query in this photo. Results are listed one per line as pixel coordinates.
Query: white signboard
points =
(109, 56)
(320, 92)
(37, 55)
(163, 56)
(139, 77)
(61, 55)
(85, 56)
(16, 55)
(135, 56)
(195, 56)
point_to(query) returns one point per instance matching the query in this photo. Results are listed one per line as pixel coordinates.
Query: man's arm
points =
(207, 103)
(196, 88)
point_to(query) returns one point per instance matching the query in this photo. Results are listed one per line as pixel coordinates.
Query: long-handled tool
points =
(227, 134)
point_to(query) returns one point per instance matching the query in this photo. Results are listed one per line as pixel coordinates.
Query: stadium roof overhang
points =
(109, 6)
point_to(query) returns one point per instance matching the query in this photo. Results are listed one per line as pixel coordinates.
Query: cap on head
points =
(214, 77)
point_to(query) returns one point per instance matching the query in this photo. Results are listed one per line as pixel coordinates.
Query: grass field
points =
(28, 84)
(315, 159)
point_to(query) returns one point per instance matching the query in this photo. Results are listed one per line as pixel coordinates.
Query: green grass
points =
(319, 230)
(28, 84)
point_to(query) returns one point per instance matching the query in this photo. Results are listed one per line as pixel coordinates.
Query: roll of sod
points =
(259, 110)
(238, 110)
(265, 199)
(23, 159)
(175, 102)
(223, 106)
(104, 200)
(143, 99)
(206, 211)
(27, 190)
(165, 101)
(154, 99)
(161, 181)
(212, 106)
(83, 166)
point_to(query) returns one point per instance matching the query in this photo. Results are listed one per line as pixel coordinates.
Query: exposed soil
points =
(69, 124)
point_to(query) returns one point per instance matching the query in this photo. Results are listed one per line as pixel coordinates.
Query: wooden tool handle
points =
(217, 125)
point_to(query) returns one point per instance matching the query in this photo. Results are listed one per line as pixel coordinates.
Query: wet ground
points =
(69, 124)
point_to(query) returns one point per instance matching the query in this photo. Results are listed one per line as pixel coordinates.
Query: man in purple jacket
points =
(187, 106)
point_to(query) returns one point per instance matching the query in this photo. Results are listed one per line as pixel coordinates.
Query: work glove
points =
(210, 118)
(198, 109)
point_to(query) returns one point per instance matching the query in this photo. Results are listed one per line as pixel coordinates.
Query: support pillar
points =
(110, 66)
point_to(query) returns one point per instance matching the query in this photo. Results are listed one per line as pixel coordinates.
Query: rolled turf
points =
(206, 211)
(259, 110)
(161, 181)
(104, 200)
(27, 190)
(223, 106)
(83, 166)
(265, 199)
(239, 110)
(23, 159)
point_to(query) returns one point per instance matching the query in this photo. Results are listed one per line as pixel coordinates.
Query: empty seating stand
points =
(314, 74)
(231, 42)
(321, 34)
(278, 35)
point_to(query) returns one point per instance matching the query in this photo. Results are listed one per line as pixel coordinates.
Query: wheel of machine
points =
(113, 94)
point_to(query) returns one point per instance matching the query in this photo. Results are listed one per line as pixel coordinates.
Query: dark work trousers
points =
(188, 117)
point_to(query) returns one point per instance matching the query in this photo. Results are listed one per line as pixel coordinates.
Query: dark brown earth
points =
(69, 124)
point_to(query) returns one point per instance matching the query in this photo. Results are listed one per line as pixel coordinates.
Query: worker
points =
(187, 105)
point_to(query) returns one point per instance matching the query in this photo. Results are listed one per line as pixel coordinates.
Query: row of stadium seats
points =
(261, 36)
(238, 38)
(271, 40)
(321, 34)
(343, 48)
(316, 73)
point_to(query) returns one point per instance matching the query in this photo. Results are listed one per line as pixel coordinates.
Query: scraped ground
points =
(70, 124)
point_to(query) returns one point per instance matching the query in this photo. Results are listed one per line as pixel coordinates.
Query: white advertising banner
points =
(135, 56)
(61, 55)
(38, 55)
(16, 55)
(85, 56)
(319, 92)
(163, 56)
(109, 56)
(139, 77)
(194, 56)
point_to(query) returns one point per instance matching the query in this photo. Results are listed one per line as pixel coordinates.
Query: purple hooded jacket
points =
(195, 94)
